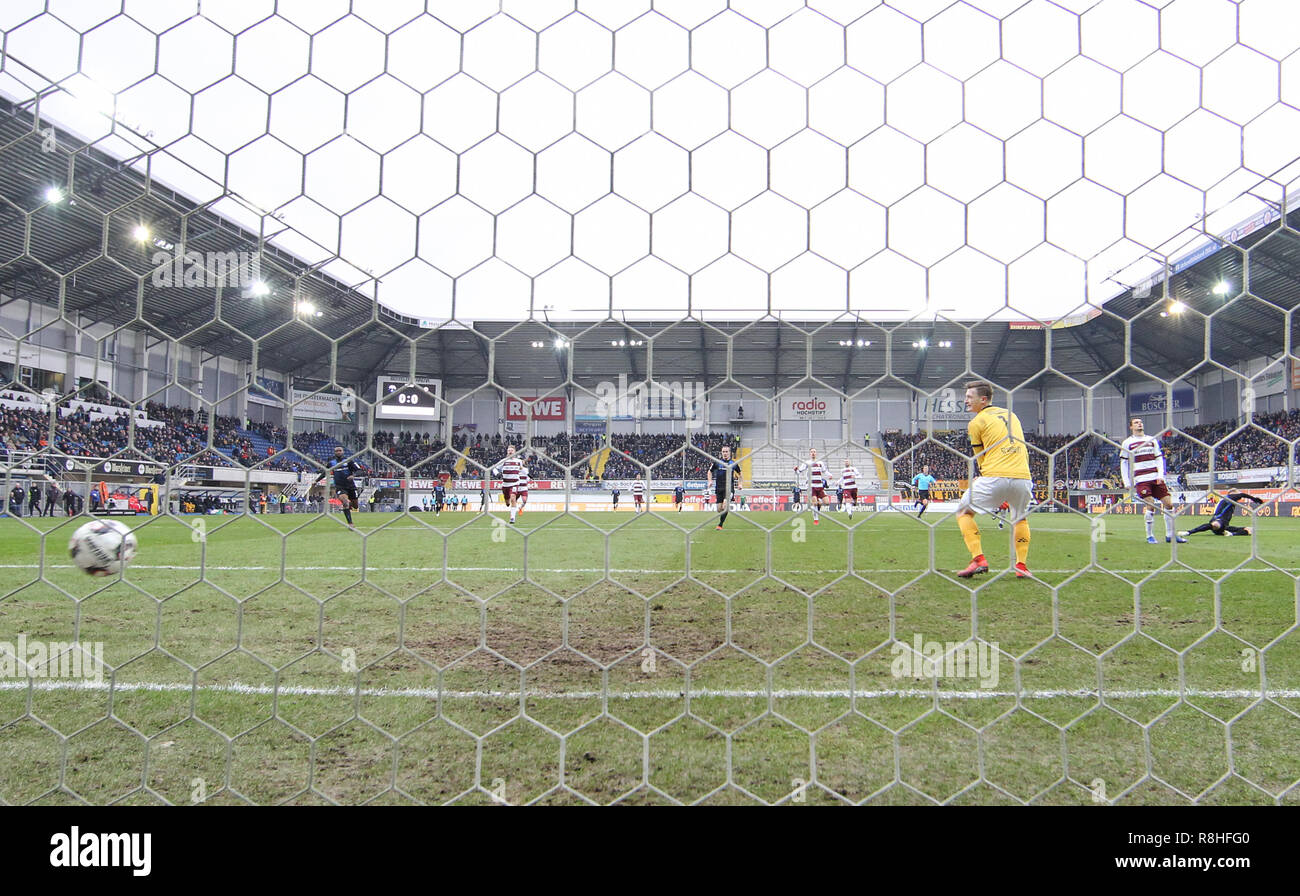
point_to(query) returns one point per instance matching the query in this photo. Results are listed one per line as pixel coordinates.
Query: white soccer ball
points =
(102, 547)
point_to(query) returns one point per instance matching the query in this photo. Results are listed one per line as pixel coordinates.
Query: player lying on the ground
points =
(1221, 522)
(998, 443)
(1142, 464)
(344, 486)
(1000, 514)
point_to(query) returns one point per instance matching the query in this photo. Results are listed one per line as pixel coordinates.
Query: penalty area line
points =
(614, 569)
(659, 694)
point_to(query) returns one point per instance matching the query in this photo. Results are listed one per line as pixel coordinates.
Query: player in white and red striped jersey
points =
(509, 470)
(1142, 464)
(849, 483)
(522, 487)
(817, 477)
(638, 495)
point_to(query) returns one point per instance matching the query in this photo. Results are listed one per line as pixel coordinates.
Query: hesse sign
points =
(819, 406)
(543, 408)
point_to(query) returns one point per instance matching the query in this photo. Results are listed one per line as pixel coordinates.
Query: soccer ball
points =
(102, 547)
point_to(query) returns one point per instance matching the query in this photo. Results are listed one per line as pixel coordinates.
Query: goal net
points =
(424, 345)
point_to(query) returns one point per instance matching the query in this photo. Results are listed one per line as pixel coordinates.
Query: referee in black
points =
(724, 476)
(1219, 522)
(344, 487)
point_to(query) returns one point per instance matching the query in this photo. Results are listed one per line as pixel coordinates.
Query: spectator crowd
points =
(946, 453)
(184, 437)
(668, 456)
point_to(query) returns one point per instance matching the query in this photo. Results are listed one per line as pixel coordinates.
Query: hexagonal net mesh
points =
(637, 250)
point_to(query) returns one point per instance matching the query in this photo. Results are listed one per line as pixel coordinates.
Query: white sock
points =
(1169, 524)
(850, 510)
(512, 514)
(1151, 524)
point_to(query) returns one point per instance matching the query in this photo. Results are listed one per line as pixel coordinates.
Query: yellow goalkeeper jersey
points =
(998, 443)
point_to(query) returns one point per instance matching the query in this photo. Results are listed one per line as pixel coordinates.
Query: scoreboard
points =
(398, 398)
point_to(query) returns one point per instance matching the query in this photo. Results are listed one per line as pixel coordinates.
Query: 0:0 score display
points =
(399, 399)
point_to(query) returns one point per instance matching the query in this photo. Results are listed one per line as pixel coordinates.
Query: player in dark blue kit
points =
(439, 497)
(724, 476)
(1219, 523)
(679, 496)
(344, 487)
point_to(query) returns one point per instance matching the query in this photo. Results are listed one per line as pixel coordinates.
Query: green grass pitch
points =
(652, 659)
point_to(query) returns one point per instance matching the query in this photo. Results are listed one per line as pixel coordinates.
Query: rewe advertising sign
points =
(542, 408)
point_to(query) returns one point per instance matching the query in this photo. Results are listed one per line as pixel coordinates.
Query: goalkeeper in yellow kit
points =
(998, 444)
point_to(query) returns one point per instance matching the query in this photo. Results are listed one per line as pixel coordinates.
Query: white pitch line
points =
(695, 694)
(617, 569)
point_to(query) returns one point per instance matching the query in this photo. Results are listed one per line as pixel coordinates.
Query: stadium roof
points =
(188, 184)
(66, 261)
